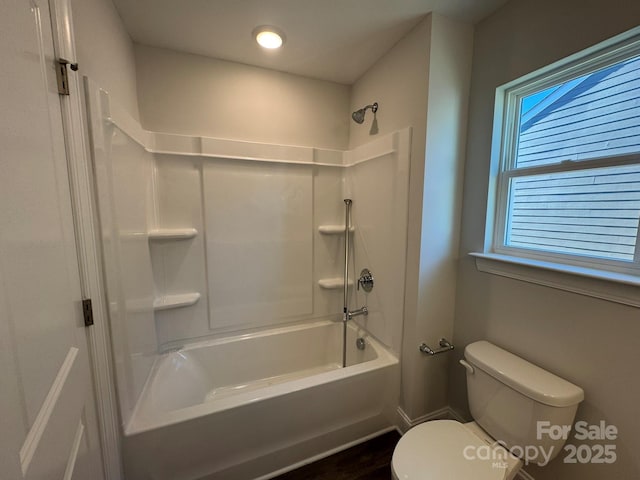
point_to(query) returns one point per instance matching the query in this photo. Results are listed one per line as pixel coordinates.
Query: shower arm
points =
(373, 107)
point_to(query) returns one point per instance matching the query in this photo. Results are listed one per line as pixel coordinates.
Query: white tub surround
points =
(240, 243)
(290, 226)
(250, 405)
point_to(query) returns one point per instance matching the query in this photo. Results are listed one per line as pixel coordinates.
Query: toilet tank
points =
(509, 397)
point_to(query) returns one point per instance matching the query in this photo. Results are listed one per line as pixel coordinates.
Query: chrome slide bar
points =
(366, 280)
(345, 290)
(347, 248)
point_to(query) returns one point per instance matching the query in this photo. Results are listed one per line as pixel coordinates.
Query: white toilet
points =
(508, 396)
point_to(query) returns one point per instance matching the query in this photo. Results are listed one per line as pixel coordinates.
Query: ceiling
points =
(336, 40)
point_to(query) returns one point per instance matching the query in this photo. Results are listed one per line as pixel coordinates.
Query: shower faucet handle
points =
(365, 280)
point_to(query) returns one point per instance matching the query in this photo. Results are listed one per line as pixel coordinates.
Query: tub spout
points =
(359, 311)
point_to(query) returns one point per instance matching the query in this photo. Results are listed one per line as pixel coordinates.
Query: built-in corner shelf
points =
(165, 302)
(333, 229)
(172, 233)
(332, 283)
(175, 301)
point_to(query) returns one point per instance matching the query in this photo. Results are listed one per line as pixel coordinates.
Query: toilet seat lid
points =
(436, 450)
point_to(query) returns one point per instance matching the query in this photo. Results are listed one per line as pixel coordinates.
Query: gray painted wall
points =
(423, 82)
(105, 50)
(194, 95)
(399, 82)
(593, 343)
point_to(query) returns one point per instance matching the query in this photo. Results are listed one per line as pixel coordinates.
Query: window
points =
(568, 186)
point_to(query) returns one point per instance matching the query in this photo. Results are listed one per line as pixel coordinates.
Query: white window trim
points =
(611, 280)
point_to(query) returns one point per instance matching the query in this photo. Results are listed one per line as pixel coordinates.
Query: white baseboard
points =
(455, 415)
(445, 413)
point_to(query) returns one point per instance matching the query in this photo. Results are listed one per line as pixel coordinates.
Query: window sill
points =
(615, 287)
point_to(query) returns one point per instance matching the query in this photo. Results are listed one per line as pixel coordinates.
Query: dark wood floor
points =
(368, 461)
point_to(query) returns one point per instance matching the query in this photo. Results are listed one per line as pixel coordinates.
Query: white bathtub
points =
(252, 406)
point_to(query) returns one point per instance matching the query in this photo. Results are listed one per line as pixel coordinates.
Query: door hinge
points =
(62, 76)
(87, 312)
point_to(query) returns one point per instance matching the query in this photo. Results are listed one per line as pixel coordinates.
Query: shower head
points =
(358, 115)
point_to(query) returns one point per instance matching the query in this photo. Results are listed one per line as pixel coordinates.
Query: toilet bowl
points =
(508, 396)
(450, 450)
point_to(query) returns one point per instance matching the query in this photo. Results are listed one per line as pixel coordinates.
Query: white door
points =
(47, 420)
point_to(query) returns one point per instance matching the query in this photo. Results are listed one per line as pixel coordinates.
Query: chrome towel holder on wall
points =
(445, 346)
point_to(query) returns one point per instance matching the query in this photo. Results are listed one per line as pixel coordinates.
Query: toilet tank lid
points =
(524, 377)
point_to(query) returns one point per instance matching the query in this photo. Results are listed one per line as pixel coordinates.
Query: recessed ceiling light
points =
(268, 37)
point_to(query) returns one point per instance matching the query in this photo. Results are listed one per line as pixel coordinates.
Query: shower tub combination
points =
(256, 405)
(273, 393)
